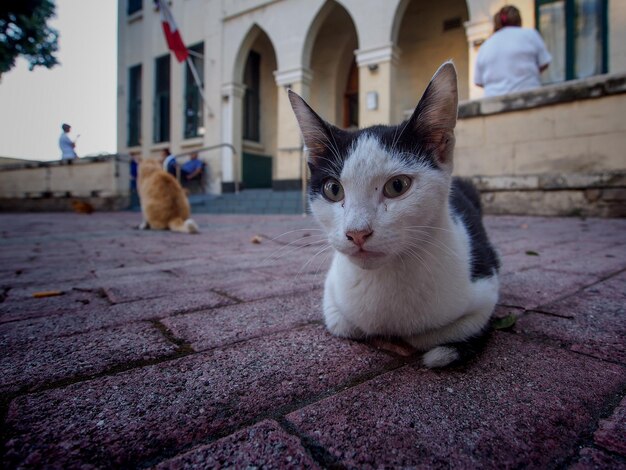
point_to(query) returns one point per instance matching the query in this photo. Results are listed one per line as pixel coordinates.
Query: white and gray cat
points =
(412, 258)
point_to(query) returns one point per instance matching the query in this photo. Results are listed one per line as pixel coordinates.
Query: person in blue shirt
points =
(192, 169)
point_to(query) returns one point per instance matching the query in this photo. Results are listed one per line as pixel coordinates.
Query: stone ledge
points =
(573, 90)
(19, 165)
(550, 181)
(63, 204)
(607, 202)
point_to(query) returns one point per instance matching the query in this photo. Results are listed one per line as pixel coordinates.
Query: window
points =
(162, 99)
(252, 99)
(134, 6)
(194, 107)
(134, 105)
(575, 32)
(351, 99)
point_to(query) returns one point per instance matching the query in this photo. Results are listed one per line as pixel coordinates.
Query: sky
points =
(81, 91)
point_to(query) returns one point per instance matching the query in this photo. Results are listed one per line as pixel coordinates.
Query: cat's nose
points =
(358, 237)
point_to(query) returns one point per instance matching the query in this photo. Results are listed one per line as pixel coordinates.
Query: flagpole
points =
(196, 78)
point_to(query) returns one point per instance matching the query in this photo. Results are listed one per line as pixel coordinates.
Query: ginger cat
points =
(163, 201)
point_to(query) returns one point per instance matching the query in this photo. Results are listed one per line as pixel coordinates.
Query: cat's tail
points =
(185, 226)
(456, 353)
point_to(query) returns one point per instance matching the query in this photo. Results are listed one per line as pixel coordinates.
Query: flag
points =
(172, 35)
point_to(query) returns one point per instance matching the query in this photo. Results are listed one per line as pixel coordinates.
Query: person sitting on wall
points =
(192, 169)
(169, 161)
(513, 58)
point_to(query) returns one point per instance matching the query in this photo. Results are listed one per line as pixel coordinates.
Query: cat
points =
(164, 204)
(411, 256)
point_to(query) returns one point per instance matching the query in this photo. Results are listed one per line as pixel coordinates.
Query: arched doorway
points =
(334, 89)
(428, 34)
(259, 113)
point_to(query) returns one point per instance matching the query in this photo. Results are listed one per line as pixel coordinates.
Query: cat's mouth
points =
(366, 254)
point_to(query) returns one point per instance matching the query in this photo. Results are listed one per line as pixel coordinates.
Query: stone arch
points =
(328, 52)
(427, 34)
(256, 123)
(314, 28)
(254, 32)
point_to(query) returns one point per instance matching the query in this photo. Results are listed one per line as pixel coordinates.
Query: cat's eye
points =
(397, 186)
(332, 190)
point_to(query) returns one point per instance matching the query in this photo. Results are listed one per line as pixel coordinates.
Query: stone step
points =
(251, 201)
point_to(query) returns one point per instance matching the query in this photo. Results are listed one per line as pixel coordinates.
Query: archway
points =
(428, 34)
(329, 54)
(256, 67)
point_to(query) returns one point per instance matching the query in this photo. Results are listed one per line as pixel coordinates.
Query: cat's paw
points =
(338, 326)
(144, 226)
(440, 356)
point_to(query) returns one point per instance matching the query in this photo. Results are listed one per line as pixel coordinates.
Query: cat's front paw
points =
(144, 226)
(339, 326)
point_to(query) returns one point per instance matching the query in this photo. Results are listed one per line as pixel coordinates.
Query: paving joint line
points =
(586, 437)
(111, 371)
(182, 346)
(315, 450)
(278, 413)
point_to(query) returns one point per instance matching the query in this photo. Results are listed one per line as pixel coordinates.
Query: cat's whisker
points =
(295, 246)
(289, 248)
(296, 230)
(422, 249)
(411, 227)
(319, 267)
(311, 258)
(438, 243)
(424, 263)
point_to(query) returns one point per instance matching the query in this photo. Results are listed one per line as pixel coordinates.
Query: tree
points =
(24, 31)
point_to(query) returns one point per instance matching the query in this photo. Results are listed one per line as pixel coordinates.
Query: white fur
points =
(192, 226)
(418, 285)
(440, 356)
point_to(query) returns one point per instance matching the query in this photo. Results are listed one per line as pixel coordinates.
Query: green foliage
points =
(504, 323)
(23, 31)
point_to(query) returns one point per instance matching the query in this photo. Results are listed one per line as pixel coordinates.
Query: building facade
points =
(357, 62)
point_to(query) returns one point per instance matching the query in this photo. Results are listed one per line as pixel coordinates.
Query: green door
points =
(257, 171)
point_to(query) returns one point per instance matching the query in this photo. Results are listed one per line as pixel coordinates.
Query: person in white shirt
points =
(169, 161)
(66, 145)
(513, 58)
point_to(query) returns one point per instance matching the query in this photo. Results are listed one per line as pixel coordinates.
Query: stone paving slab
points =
(523, 405)
(597, 459)
(592, 321)
(535, 287)
(218, 327)
(88, 319)
(265, 445)
(611, 431)
(78, 355)
(74, 300)
(199, 351)
(132, 416)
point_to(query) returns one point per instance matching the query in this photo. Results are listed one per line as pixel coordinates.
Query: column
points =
(232, 109)
(477, 32)
(289, 168)
(377, 78)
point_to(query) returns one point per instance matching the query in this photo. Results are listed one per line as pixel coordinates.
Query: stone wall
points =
(557, 150)
(103, 182)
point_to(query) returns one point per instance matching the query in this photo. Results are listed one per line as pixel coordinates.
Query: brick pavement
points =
(176, 351)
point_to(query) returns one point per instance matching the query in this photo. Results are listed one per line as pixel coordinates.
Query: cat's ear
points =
(434, 118)
(315, 131)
